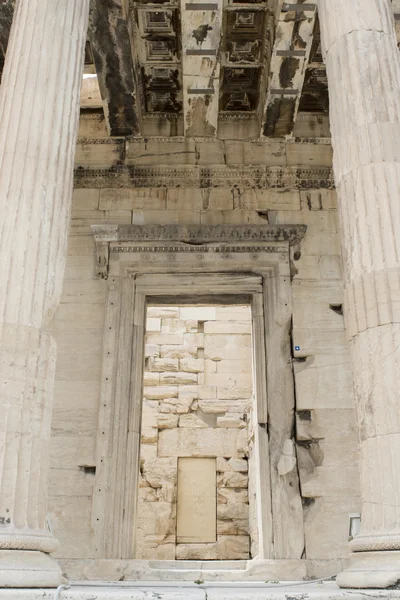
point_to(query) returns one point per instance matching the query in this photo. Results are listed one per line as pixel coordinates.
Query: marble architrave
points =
(39, 112)
(363, 66)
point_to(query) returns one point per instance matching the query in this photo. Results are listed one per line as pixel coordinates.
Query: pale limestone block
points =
(319, 341)
(179, 405)
(98, 155)
(161, 312)
(238, 464)
(69, 518)
(233, 510)
(197, 551)
(324, 482)
(233, 527)
(320, 423)
(166, 217)
(223, 464)
(178, 351)
(233, 547)
(199, 313)
(155, 151)
(161, 392)
(241, 366)
(80, 245)
(308, 154)
(147, 494)
(228, 327)
(329, 292)
(191, 421)
(82, 220)
(81, 316)
(152, 350)
(235, 393)
(167, 408)
(318, 243)
(70, 482)
(86, 342)
(233, 496)
(174, 325)
(86, 199)
(149, 413)
(156, 518)
(192, 326)
(231, 217)
(164, 364)
(267, 153)
(220, 199)
(133, 199)
(198, 443)
(185, 198)
(192, 365)
(233, 479)
(322, 221)
(326, 526)
(324, 381)
(234, 380)
(213, 406)
(153, 325)
(87, 292)
(148, 452)
(242, 443)
(178, 378)
(70, 451)
(149, 435)
(319, 200)
(230, 421)
(317, 315)
(210, 366)
(270, 200)
(194, 339)
(167, 493)
(74, 401)
(151, 379)
(167, 421)
(160, 471)
(233, 313)
(207, 392)
(287, 461)
(78, 367)
(164, 338)
(196, 518)
(225, 346)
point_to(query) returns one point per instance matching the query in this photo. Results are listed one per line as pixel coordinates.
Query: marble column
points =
(363, 66)
(39, 113)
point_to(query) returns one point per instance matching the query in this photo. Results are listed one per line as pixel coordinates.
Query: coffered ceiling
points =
(231, 69)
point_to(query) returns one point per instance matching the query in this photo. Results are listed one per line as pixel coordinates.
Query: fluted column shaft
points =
(363, 66)
(39, 113)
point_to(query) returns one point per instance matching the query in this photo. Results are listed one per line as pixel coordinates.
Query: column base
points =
(28, 569)
(371, 570)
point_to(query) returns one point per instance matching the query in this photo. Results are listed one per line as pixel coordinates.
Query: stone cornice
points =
(260, 177)
(119, 239)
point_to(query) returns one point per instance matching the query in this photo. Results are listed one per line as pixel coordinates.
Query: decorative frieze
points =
(284, 178)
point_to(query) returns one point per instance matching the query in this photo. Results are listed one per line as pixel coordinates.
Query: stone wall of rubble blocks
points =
(327, 449)
(197, 384)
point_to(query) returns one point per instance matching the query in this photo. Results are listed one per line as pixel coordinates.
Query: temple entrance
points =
(178, 419)
(198, 477)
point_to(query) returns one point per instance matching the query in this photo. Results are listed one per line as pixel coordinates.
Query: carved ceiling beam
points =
(201, 38)
(110, 42)
(293, 40)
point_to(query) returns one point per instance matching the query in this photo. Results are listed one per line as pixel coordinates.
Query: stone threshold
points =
(326, 590)
(255, 570)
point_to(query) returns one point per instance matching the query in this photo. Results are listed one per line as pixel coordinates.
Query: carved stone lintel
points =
(191, 238)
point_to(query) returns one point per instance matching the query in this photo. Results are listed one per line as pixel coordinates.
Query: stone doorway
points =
(241, 265)
(198, 476)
